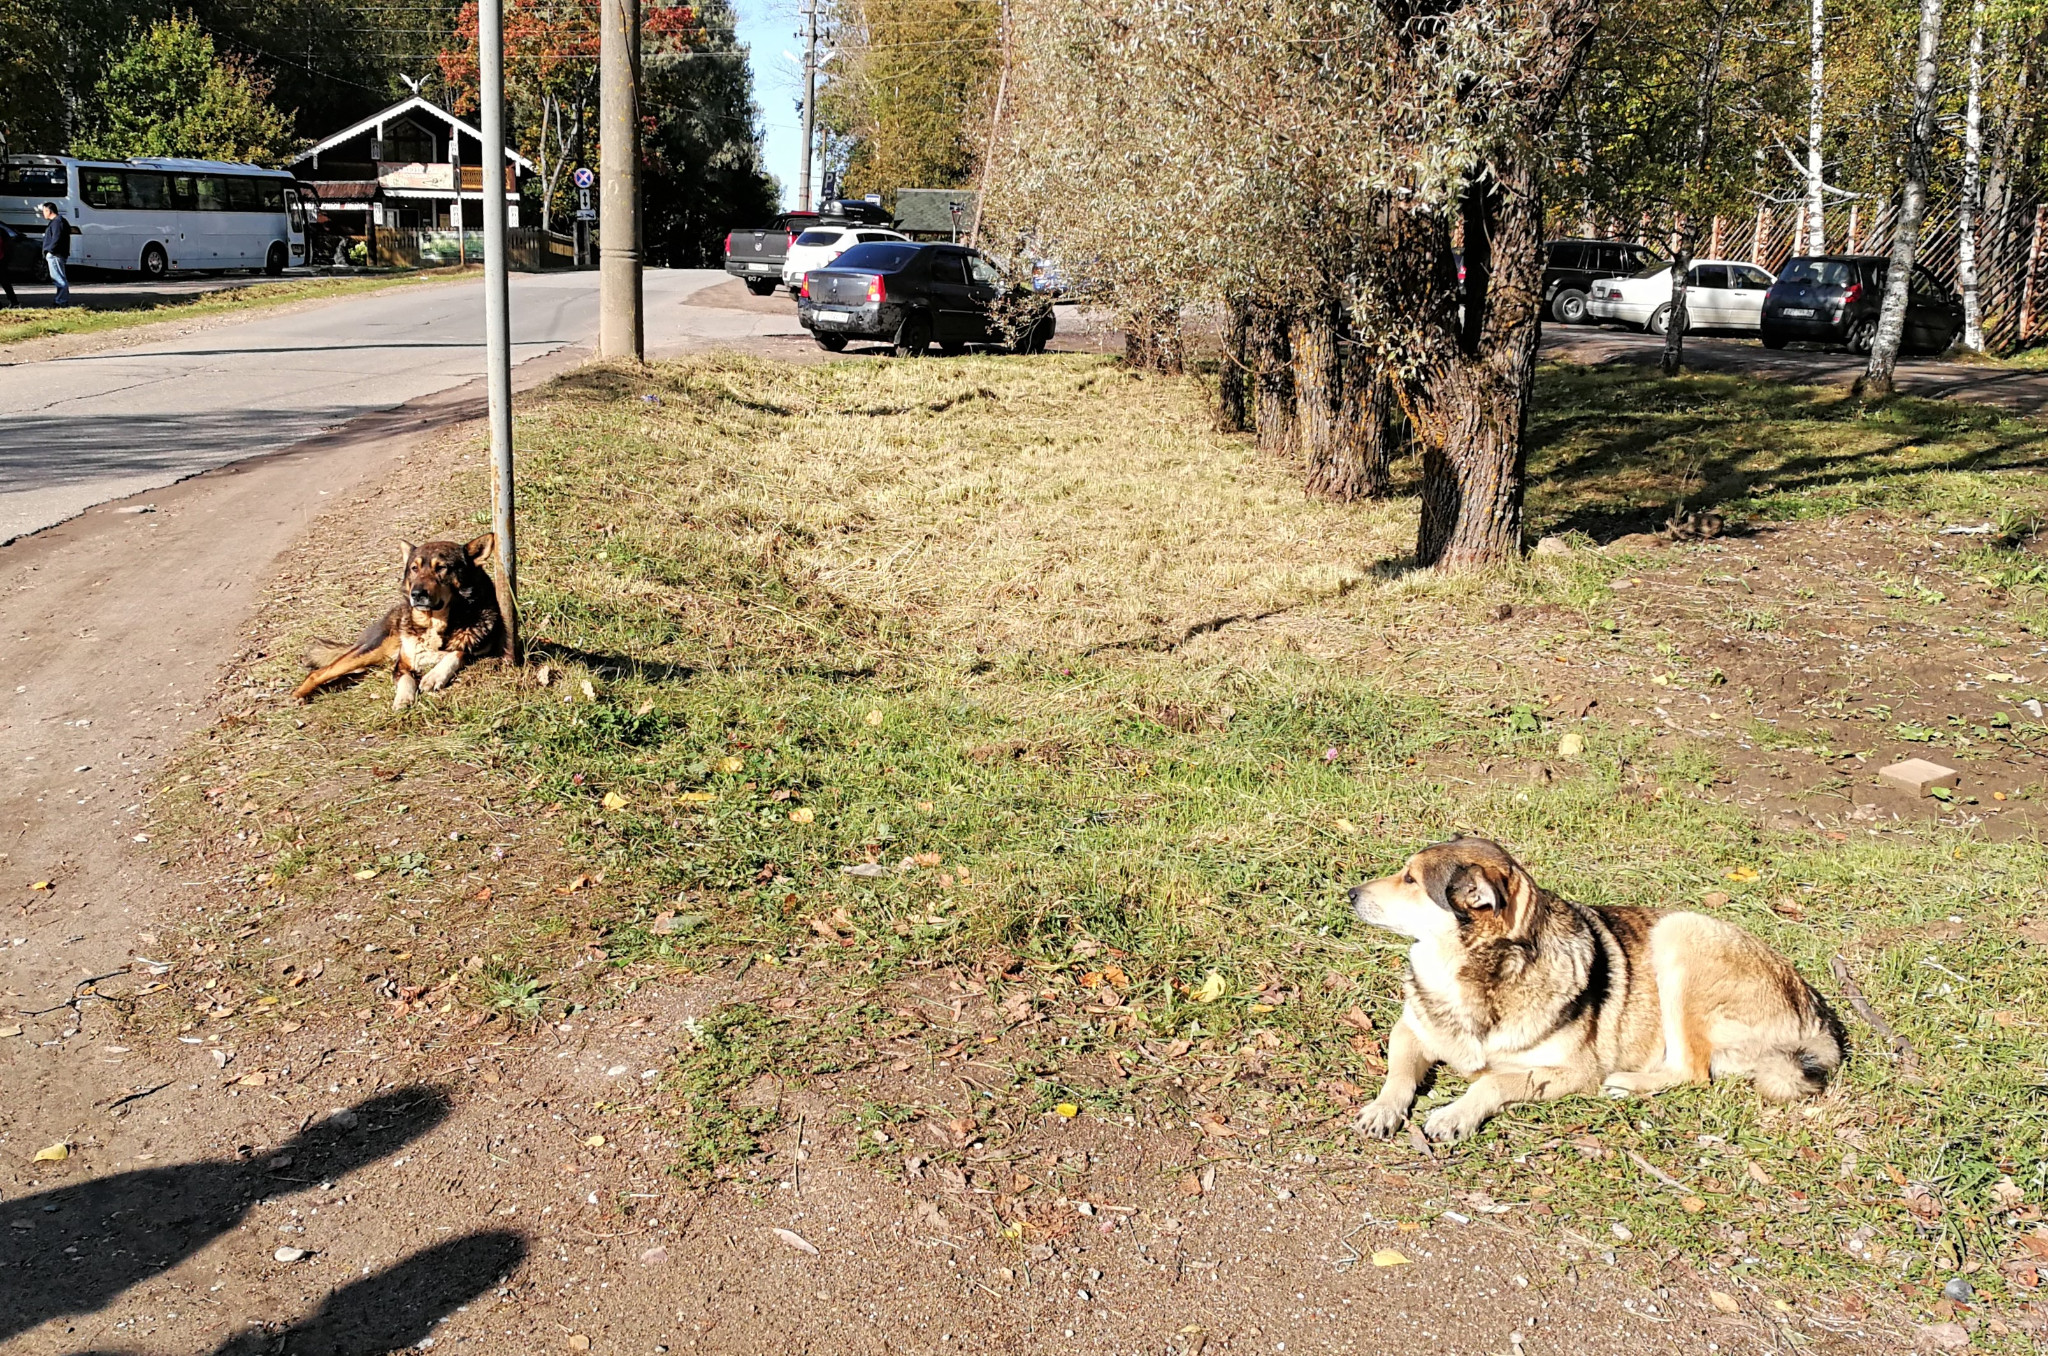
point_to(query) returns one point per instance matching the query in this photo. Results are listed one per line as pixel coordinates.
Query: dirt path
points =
(2021, 392)
(510, 1191)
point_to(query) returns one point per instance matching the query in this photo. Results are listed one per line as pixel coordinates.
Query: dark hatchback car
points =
(1835, 298)
(912, 296)
(1571, 266)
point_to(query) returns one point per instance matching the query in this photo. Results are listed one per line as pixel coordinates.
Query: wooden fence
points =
(2012, 274)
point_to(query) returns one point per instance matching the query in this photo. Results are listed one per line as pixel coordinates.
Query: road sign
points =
(583, 179)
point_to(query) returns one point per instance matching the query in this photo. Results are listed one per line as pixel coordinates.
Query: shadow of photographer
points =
(70, 1250)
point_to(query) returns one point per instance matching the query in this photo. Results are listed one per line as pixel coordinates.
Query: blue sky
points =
(775, 53)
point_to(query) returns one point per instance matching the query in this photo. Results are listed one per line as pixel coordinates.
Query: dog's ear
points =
(405, 550)
(1468, 887)
(482, 546)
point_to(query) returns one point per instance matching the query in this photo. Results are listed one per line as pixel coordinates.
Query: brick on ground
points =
(1916, 776)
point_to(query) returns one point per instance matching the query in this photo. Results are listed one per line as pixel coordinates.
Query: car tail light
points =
(875, 290)
(804, 289)
(728, 242)
(1853, 295)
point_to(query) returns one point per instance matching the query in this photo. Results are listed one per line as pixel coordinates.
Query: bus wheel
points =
(273, 264)
(156, 265)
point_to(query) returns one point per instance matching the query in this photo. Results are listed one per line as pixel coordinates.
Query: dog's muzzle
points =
(421, 598)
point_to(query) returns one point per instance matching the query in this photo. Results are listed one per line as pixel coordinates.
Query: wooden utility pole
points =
(497, 316)
(803, 173)
(621, 332)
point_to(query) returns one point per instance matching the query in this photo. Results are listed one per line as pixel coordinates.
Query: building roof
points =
(345, 190)
(404, 106)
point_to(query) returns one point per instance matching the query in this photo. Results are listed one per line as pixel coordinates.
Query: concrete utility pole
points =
(620, 332)
(803, 175)
(497, 316)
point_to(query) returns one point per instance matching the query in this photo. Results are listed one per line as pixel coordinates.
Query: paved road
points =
(83, 430)
(2020, 392)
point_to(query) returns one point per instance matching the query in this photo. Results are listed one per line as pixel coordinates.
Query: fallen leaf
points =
(1215, 1125)
(614, 801)
(1692, 1205)
(1345, 827)
(1785, 906)
(1744, 873)
(654, 1256)
(803, 814)
(1758, 1175)
(1572, 746)
(1210, 989)
(1066, 1111)
(254, 1080)
(697, 797)
(2005, 1193)
(866, 870)
(874, 717)
(589, 692)
(595, 1141)
(1941, 1337)
(731, 764)
(1715, 899)
(40, 885)
(1356, 1018)
(577, 1341)
(1724, 1301)
(291, 1254)
(796, 1240)
(2036, 1243)
(1387, 1257)
(1190, 1185)
(367, 873)
(55, 1153)
(6, 1031)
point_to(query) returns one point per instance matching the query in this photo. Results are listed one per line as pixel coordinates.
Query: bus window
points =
(184, 193)
(298, 212)
(147, 192)
(213, 192)
(270, 193)
(34, 181)
(243, 196)
(101, 188)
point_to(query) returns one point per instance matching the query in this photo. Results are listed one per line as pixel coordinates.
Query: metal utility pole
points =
(620, 331)
(497, 317)
(803, 176)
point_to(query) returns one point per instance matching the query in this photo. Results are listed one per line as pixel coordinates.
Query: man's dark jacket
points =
(57, 238)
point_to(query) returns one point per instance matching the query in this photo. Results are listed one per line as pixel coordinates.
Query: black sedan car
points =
(912, 296)
(1835, 298)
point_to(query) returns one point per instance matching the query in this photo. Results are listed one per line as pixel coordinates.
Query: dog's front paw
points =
(1381, 1119)
(1449, 1124)
(435, 680)
(401, 697)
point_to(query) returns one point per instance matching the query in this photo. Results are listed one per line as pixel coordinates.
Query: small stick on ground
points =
(1902, 1049)
(796, 1161)
(1662, 1176)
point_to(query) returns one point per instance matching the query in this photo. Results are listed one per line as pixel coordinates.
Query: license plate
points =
(833, 317)
(1803, 312)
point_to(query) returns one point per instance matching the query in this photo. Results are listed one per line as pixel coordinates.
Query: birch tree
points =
(1876, 381)
(1816, 233)
(1966, 209)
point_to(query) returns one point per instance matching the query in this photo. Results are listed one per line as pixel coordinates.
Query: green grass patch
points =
(104, 312)
(886, 665)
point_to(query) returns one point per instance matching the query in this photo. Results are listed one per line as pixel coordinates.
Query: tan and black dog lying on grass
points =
(1533, 997)
(447, 617)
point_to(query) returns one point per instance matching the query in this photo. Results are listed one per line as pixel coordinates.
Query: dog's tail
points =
(322, 652)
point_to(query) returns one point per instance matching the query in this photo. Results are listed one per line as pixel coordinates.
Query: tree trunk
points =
(1677, 322)
(1233, 386)
(1152, 340)
(1318, 389)
(1372, 431)
(1876, 381)
(1816, 113)
(1477, 406)
(1273, 380)
(1966, 216)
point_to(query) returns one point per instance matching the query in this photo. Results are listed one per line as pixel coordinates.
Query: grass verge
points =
(104, 312)
(865, 670)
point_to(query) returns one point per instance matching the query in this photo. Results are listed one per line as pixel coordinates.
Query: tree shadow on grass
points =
(1611, 452)
(72, 1249)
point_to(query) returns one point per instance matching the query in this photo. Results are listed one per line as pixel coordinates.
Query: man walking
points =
(57, 250)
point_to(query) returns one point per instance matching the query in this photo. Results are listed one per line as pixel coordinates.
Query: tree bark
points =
(1233, 386)
(1477, 406)
(1876, 381)
(1273, 381)
(1678, 321)
(1318, 389)
(1966, 215)
(1372, 431)
(1816, 114)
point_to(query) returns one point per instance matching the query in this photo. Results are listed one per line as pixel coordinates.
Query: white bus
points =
(151, 216)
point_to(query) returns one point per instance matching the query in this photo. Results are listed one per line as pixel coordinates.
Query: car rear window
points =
(1651, 269)
(1816, 272)
(878, 257)
(819, 238)
(1567, 254)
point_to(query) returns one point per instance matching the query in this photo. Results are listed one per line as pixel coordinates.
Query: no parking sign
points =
(583, 178)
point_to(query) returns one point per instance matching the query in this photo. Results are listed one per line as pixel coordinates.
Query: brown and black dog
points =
(447, 617)
(1532, 997)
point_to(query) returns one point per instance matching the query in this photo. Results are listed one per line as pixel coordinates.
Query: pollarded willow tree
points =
(1309, 168)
